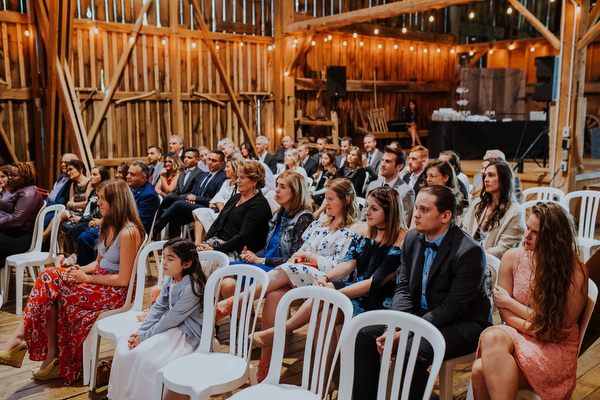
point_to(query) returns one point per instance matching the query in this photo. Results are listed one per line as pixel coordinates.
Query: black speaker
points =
(547, 78)
(336, 81)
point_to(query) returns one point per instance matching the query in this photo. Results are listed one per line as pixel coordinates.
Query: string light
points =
(471, 15)
(286, 73)
(164, 42)
(345, 43)
(217, 45)
(96, 30)
(324, 39)
(361, 43)
(270, 48)
(379, 46)
(279, 130)
(451, 51)
(193, 45)
(329, 37)
(491, 51)
(313, 43)
(241, 43)
(26, 32)
(424, 50)
(376, 31)
(509, 10)
(511, 47)
(431, 18)
(411, 48)
(294, 45)
(131, 40)
(532, 49)
(471, 53)
(395, 47)
(439, 50)
(403, 29)
(295, 41)
(354, 35)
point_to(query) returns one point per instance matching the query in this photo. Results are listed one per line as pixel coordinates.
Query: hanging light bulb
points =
(412, 48)
(379, 46)
(471, 15)
(286, 73)
(438, 50)
(491, 51)
(193, 45)
(96, 30)
(361, 43)
(329, 37)
(451, 51)
(26, 32)
(376, 31)
(509, 10)
(345, 43)
(471, 53)
(131, 39)
(424, 50)
(511, 47)
(403, 29)
(295, 41)
(395, 47)
(313, 43)
(354, 35)
(164, 42)
(431, 18)
(532, 49)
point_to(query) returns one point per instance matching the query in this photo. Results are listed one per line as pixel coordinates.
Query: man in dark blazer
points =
(155, 164)
(417, 158)
(262, 155)
(187, 179)
(207, 185)
(288, 143)
(451, 265)
(308, 163)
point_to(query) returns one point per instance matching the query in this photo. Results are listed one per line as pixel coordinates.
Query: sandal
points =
(222, 314)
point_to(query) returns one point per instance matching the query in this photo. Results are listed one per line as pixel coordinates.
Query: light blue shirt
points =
(429, 257)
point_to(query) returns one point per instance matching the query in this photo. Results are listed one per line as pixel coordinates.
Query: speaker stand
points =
(542, 135)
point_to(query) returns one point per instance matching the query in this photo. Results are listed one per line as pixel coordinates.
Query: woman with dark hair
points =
(325, 171)
(65, 302)
(354, 170)
(122, 171)
(454, 159)
(5, 188)
(91, 216)
(494, 219)
(439, 172)
(169, 174)
(541, 292)
(244, 221)
(19, 211)
(412, 118)
(247, 151)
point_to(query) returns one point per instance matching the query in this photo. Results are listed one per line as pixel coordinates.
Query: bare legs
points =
(200, 233)
(412, 129)
(496, 374)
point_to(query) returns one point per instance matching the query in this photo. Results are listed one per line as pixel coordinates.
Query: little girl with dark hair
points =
(170, 330)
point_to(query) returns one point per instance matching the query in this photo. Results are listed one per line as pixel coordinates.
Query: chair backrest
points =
(543, 193)
(588, 211)
(38, 229)
(212, 260)
(318, 342)
(491, 274)
(143, 258)
(242, 322)
(408, 323)
(589, 309)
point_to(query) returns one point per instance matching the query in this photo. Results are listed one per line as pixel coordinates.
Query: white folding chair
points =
(543, 193)
(588, 211)
(528, 204)
(115, 326)
(138, 268)
(212, 260)
(585, 319)
(318, 343)
(400, 378)
(34, 257)
(446, 385)
(205, 373)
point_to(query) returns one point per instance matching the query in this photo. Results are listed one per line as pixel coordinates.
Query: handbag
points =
(103, 373)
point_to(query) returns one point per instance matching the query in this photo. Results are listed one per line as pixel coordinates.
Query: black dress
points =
(357, 176)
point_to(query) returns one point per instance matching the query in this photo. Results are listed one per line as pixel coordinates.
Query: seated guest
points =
(202, 164)
(478, 179)
(306, 161)
(287, 225)
(453, 158)
(176, 145)
(155, 163)
(287, 143)
(91, 216)
(392, 163)
(321, 147)
(207, 185)
(204, 217)
(247, 151)
(541, 293)
(60, 192)
(440, 172)
(327, 170)
(169, 175)
(187, 179)
(494, 219)
(19, 211)
(5, 188)
(454, 300)
(65, 302)
(293, 163)
(146, 201)
(417, 158)
(353, 170)
(262, 155)
(244, 221)
(122, 171)
(345, 144)
(371, 158)
(226, 146)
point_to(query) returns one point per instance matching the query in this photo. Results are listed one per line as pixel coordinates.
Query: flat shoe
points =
(52, 371)
(14, 356)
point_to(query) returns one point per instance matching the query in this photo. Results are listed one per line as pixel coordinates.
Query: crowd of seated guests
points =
(311, 235)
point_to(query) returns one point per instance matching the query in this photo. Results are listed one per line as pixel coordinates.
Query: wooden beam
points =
(594, 14)
(395, 33)
(118, 73)
(589, 36)
(307, 84)
(138, 97)
(477, 57)
(536, 23)
(372, 13)
(8, 145)
(209, 98)
(73, 108)
(500, 44)
(222, 73)
(13, 17)
(175, 69)
(42, 19)
(301, 51)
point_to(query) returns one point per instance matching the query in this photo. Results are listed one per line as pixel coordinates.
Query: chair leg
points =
(96, 339)
(4, 281)
(158, 389)
(446, 386)
(19, 272)
(87, 362)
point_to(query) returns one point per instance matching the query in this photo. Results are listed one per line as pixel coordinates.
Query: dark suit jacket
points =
(203, 197)
(373, 168)
(310, 167)
(280, 155)
(184, 190)
(147, 203)
(417, 187)
(455, 287)
(271, 162)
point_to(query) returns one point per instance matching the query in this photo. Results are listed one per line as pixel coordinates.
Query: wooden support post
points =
(477, 57)
(291, 68)
(118, 73)
(8, 145)
(222, 73)
(589, 36)
(175, 67)
(594, 14)
(536, 23)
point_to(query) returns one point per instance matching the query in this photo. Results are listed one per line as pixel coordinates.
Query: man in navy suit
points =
(288, 143)
(441, 278)
(309, 165)
(146, 200)
(207, 185)
(186, 181)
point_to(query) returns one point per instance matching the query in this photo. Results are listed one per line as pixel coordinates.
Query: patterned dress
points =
(331, 246)
(550, 368)
(78, 307)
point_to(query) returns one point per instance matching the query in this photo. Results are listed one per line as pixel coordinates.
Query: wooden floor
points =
(16, 383)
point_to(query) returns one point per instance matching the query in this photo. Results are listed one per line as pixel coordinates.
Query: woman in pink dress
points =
(541, 292)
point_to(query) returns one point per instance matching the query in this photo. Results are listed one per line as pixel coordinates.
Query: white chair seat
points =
(226, 371)
(118, 325)
(26, 259)
(586, 245)
(275, 392)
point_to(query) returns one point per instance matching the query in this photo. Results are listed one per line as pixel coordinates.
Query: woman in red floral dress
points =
(65, 302)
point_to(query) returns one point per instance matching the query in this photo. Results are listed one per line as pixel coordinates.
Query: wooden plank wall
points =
(423, 73)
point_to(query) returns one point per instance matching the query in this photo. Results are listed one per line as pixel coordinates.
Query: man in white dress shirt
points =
(345, 145)
(417, 158)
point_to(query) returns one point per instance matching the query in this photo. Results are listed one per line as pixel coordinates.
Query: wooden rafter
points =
(536, 23)
(589, 36)
(301, 50)
(118, 73)
(210, 45)
(594, 14)
(477, 57)
(370, 14)
(8, 145)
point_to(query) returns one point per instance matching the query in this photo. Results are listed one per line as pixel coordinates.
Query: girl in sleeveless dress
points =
(171, 329)
(65, 302)
(541, 292)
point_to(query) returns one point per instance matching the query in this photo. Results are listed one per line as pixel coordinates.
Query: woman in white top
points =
(292, 162)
